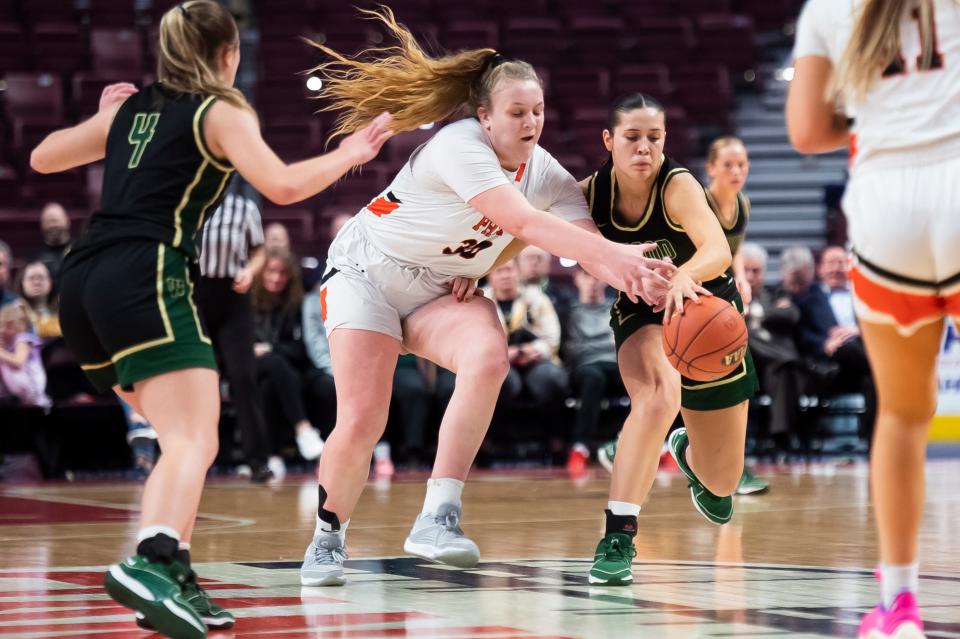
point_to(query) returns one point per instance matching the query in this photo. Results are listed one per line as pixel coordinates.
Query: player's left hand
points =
(364, 144)
(465, 289)
(115, 93)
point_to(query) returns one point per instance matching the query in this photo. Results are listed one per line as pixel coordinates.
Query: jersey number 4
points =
(144, 124)
(899, 64)
(468, 249)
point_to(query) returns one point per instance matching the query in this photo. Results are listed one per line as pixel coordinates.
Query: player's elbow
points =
(41, 161)
(282, 193)
(804, 141)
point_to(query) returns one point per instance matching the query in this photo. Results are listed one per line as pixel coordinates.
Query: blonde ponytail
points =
(192, 35)
(875, 44)
(414, 87)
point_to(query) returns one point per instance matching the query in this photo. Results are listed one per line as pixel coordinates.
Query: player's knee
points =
(361, 429)
(490, 364)
(917, 415)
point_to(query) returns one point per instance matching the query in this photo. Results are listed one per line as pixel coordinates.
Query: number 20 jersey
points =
(422, 218)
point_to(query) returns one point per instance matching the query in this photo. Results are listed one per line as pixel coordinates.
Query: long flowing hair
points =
(416, 88)
(292, 296)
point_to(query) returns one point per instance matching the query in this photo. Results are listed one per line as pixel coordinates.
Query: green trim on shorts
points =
(737, 387)
(626, 318)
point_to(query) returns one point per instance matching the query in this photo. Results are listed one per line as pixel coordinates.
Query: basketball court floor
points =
(796, 562)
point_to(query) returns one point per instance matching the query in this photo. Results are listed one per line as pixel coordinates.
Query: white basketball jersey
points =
(909, 108)
(423, 217)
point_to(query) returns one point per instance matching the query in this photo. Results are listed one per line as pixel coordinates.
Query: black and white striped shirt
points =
(228, 235)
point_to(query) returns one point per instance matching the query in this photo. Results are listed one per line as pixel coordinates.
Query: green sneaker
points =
(155, 590)
(717, 510)
(606, 453)
(611, 561)
(750, 485)
(214, 616)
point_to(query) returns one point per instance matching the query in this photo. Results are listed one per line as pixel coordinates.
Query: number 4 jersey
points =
(915, 105)
(159, 179)
(423, 218)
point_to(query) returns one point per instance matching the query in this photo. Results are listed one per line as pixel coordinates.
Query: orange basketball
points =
(708, 341)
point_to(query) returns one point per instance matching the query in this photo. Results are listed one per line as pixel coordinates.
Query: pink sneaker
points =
(901, 621)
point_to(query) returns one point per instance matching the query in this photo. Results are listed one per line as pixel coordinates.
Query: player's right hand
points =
(115, 93)
(638, 276)
(364, 144)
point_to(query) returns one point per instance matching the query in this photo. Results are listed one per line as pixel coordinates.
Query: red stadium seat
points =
(652, 79)
(14, 47)
(117, 53)
(470, 34)
(664, 40)
(536, 40)
(112, 14)
(596, 39)
(729, 40)
(34, 95)
(59, 47)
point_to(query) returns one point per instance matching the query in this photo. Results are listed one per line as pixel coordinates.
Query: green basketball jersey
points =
(159, 179)
(738, 230)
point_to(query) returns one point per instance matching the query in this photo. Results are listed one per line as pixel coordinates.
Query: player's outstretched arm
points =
(813, 123)
(234, 133)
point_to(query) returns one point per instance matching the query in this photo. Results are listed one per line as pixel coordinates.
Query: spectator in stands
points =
(533, 337)
(6, 261)
(284, 367)
(821, 337)
(832, 271)
(55, 226)
(231, 255)
(534, 264)
(35, 286)
(22, 377)
(410, 407)
(275, 236)
(772, 323)
(591, 355)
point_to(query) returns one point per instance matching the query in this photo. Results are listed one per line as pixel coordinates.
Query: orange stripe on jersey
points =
(907, 309)
(852, 148)
(952, 303)
(323, 304)
(523, 167)
(382, 206)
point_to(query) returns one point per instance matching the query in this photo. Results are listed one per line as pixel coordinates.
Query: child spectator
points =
(21, 371)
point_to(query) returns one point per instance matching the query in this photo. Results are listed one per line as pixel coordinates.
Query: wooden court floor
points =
(796, 562)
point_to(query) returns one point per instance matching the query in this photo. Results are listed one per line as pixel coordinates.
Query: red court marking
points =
(51, 603)
(51, 591)
(83, 612)
(20, 510)
(74, 578)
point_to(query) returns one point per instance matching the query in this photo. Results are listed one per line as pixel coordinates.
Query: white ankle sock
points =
(184, 545)
(152, 531)
(323, 526)
(440, 492)
(897, 579)
(623, 508)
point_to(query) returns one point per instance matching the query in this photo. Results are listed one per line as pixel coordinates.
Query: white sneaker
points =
(438, 537)
(309, 443)
(277, 467)
(323, 561)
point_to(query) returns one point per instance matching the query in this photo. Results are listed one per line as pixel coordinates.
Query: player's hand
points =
(364, 144)
(115, 93)
(682, 287)
(465, 289)
(635, 274)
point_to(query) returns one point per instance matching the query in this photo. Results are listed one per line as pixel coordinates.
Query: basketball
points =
(708, 341)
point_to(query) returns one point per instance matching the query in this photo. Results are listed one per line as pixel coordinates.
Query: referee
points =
(230, 256)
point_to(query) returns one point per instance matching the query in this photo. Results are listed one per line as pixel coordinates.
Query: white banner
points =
(949, 369)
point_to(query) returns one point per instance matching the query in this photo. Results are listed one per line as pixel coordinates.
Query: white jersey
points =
(908, 110)
(423, 217)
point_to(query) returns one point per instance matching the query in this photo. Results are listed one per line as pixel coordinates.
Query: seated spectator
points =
(410, 407)
(772, 323)
(6, 262)
(820, 336)
(142, 440)
(55, 226)
(534, 264)
(533, 338)
(22, 378)
(36, 289)
(284, 368)
(591, 355)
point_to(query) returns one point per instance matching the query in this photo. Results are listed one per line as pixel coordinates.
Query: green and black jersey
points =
(736, 232)
(654, 225)
(160, 179)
